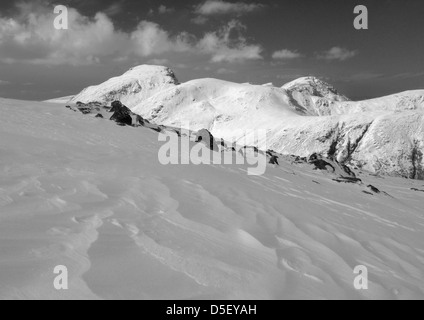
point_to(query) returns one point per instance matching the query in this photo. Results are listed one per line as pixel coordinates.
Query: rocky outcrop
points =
(206, 137)
(121, 114)
(274, 160)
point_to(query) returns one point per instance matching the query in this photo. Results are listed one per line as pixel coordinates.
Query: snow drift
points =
(88, 194)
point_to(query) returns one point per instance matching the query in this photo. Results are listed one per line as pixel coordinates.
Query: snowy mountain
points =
(131, 88)
(82, 192)
(312, 96)
(384, 136)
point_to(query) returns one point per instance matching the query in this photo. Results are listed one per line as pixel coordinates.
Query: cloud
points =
(114, 9)
(286, 54)
(220, 7)
(224, 48)
(149, 38)
(3, 82)
(164, 9)
(337, 53)
(31, 38)
(200, 20)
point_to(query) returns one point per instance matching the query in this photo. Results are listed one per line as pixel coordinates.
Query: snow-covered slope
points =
(131, 88)
(90, 195)
(397, 103)
(305, 116)
(217, 105)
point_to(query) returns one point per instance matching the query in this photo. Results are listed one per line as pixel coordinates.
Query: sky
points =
(241, 40)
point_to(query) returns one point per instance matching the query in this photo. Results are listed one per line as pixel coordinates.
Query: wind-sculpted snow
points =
(383, 136)
(88, 194)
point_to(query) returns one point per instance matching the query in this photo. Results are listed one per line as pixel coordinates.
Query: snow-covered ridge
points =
(131, 88)
(384, 135)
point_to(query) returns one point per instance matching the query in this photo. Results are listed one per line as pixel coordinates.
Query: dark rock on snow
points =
(122, 114)
(140, 121)
(274, 160)
(374, 189)
(348, 180)
(322, 165)
(207, 137)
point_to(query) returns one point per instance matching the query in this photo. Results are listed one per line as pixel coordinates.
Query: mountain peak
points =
(316, 87)
(146, 70)
(312, 96)
(132, 87)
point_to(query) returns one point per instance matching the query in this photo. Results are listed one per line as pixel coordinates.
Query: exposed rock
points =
(206, 137)
(347, 170)
(122, 115)
(374, 189)
(118, 106)
(140, 121)
(300, 160)
(322, 165)
(156, 128)
(99, 115)
(274, 160)
(84, 109)
(347, 180)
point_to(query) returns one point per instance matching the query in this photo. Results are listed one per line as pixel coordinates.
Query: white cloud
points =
(3, 82)
(114, 9)
(226, 49)
(220, 7)
(200, 20)
(31, 38)
(149, 38)
(286, 54)
(164, 9)
(337, 53)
